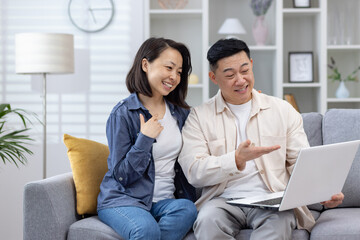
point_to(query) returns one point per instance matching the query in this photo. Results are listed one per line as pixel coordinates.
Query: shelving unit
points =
(302, 33)
(264, 57)
(344, 47)
(189, 26)
(289, 30)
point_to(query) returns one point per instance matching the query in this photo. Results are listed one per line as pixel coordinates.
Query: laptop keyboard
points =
(270, 202)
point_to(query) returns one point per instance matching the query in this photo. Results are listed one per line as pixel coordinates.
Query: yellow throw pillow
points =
(88, 161)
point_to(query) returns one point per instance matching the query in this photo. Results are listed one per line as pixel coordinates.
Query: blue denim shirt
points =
(131, 175)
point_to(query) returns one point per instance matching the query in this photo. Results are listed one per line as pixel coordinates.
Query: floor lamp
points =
(44, 53)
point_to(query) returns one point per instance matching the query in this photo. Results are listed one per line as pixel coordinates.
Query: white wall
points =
(79, 112)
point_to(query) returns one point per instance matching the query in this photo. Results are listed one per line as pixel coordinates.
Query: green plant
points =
(12, 142)
(336, 75)
(260, 7)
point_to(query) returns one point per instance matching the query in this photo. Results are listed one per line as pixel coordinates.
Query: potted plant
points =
(342, 91)
(13, 142)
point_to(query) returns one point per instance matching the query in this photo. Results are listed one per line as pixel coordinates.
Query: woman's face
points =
(164, 72)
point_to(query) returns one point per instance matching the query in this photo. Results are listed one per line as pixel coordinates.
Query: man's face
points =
(235, 78)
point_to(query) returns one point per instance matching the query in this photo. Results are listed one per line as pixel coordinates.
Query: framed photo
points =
(302, 3)
(301, 67)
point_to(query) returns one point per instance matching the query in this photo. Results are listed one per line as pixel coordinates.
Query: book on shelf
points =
(291, 99)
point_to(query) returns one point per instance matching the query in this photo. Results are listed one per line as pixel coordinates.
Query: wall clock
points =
(91, 15)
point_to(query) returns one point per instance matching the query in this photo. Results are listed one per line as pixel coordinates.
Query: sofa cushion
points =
(339, 223)
(341, 125)
(88, 160)
(298, 234)
(312, 126)
(91, 228)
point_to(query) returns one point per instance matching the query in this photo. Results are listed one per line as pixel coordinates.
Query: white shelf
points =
(301, 12)
(301, 85)
(262, 48)
(343, 47)
(195, 85)
(343, 100)
(175, 11)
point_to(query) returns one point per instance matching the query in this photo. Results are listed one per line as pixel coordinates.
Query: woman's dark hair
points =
(136, 80)
(225, 48)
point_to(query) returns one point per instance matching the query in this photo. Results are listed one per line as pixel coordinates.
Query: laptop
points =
(319, 173)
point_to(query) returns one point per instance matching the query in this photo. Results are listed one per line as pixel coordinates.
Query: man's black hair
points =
(225, 48)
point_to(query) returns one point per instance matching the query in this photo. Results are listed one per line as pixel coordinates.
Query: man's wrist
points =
(323, 207)
(240, 166)
(239, 163)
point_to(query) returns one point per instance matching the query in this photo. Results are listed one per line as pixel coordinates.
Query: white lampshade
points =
(44, 53)
(232, 26)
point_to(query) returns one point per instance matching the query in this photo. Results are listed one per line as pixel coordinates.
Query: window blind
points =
(80, 107)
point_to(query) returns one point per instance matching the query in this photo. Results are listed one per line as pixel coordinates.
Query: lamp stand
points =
(44, 53)
(44, 125)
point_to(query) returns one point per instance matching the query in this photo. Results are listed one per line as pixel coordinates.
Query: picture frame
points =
(301, 67)
(302, 3)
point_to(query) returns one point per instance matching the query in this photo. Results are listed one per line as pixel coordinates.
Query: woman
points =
(138, 194)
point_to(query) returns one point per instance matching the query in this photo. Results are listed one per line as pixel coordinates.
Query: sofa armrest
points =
(49, 207)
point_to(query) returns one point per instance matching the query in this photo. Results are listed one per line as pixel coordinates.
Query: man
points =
(242, 143)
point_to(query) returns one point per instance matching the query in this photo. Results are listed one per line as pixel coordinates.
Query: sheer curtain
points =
(75, 105)
(81, 107)
(78, 106)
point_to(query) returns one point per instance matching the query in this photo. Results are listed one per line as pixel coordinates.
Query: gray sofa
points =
(50, 204)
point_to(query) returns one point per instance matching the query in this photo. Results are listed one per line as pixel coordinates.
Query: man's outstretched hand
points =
(335, 201)
(247, 151)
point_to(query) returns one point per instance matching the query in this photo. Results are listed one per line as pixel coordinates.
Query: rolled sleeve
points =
(127, 161)
(144, 142)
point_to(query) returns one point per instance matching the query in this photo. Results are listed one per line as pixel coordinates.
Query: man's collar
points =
(258, 103)
(220, 102)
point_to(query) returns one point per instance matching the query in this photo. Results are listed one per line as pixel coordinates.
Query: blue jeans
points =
(168, 219)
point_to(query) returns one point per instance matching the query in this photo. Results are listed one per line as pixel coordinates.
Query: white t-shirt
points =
(247, 182)
(165, 151)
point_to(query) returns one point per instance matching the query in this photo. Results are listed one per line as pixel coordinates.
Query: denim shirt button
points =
(120, 178)
(181, 191)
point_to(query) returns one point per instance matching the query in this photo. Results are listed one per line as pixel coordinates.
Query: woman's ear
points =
(144, 64)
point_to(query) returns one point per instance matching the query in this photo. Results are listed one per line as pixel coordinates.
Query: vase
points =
(260, 30)
(172, 4)
(342, 91)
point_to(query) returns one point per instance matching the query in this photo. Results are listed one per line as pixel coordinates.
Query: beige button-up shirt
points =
(209, 142)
